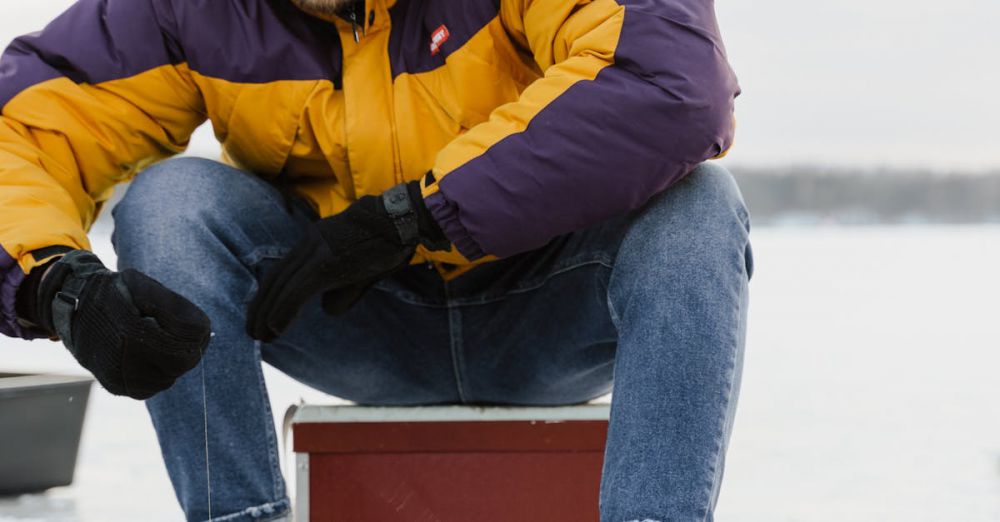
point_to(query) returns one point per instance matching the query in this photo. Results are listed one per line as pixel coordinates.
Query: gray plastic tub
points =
(41, 417)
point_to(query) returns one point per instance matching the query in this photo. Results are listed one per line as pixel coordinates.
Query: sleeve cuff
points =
(446, 214)
(11, 277)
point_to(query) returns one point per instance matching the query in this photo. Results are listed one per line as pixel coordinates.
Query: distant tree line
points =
(816, 195)
(811, 195)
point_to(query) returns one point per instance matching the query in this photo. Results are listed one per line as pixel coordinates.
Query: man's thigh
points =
(390, 348)
(530, 329)
(534, 328)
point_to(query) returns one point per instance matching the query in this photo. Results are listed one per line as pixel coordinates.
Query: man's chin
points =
(321, 7)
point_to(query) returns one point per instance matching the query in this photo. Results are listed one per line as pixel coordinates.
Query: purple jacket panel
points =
(606, 146)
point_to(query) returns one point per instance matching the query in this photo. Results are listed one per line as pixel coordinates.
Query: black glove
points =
(136, 336)
(343, 255)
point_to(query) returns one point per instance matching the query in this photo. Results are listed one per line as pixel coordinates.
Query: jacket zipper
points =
(354, 25)
(357, 10)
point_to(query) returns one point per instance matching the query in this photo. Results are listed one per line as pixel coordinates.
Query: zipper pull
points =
(354, 25)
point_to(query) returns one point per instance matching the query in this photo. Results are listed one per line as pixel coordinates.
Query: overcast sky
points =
(905, 83)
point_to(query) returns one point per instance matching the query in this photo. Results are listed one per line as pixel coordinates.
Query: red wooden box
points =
(449, 463)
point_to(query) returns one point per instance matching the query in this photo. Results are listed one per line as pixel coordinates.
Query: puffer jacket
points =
(526, 119)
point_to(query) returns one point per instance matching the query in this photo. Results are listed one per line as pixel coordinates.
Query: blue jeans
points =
(652, 304)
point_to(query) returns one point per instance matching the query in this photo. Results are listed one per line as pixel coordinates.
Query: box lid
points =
(450, 429)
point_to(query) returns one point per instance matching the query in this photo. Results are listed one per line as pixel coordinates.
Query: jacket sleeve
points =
(635, 94)
(84, 104)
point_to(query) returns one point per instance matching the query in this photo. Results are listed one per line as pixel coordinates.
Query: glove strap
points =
(81, 264)
(400, 208)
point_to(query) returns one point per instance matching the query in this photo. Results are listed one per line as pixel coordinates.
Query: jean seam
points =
(264, 252)
(605, 261)
(272, 443)
(277, 480)
(455, 345)
(720, 435)
(458, 360)
(611, 310)
(400, 296)
(525, 289)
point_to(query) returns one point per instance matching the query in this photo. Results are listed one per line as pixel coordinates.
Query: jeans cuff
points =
(261, 513)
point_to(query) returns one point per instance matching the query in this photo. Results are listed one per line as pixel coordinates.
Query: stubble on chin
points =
(323, 7)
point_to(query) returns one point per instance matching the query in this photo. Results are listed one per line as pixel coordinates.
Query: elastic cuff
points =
(446, 215)
(11, 277)
(29, 304)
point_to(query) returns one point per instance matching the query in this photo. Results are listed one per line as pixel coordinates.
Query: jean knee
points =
(709, 190)
(178, 209)
(700, 222)
(172, 190)
(175, 198)
(705, 205)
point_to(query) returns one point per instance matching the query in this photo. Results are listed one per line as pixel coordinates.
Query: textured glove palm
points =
(342, 256)
(133, 334)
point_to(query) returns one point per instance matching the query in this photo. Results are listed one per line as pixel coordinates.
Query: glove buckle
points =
(400, 209)
(69, 299)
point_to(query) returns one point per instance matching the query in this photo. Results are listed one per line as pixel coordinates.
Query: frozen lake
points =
(870, 391)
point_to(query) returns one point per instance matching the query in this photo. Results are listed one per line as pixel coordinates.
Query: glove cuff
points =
(68, 278)
(398, 205)
(31, 295)
(431, 235)
(413, 221)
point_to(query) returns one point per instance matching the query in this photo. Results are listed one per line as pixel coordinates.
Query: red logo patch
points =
(438, 37)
